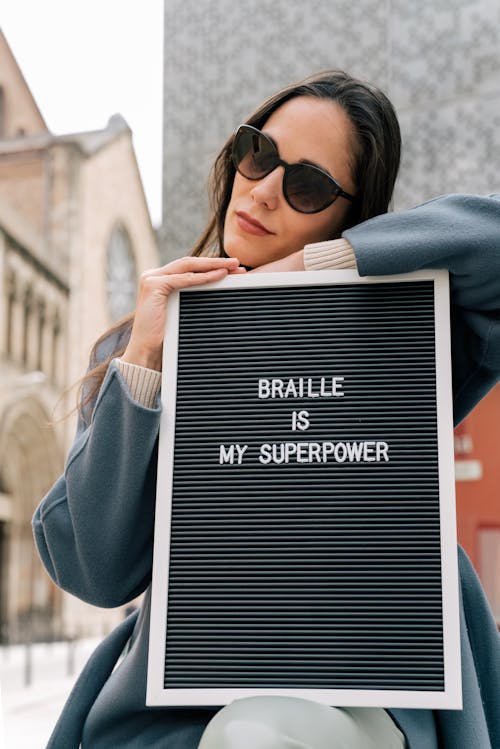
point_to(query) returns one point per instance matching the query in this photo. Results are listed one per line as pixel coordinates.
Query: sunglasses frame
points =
(249, 129)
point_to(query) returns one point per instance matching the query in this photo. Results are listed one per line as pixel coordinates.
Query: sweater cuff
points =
(335, 254)
(143, 384)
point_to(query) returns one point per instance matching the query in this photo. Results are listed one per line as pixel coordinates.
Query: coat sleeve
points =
(461, 234)
(94, 528)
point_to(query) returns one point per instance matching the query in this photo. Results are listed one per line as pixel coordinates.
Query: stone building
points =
(75, 231)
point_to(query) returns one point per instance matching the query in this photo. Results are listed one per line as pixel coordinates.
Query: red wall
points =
(477, 438)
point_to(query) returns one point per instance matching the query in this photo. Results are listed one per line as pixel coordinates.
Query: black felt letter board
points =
(304, 520)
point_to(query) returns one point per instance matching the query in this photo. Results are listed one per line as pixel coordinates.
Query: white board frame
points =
(451, 697)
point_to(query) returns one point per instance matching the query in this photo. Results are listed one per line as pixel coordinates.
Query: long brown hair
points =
(91, 382)
(376, 157)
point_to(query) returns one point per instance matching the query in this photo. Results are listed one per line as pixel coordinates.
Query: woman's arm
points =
(94, 529)
(460, 233)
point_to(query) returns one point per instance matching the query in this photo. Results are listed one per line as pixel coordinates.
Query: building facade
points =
(75, 232)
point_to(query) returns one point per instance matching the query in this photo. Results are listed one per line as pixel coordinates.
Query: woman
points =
(297, 195)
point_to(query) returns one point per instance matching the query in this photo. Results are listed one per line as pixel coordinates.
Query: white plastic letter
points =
(226, 456)
(264, 389)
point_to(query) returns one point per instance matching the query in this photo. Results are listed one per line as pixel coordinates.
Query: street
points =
(30, 712)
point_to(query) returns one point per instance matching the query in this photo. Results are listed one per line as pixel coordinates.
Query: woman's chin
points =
(245, 258)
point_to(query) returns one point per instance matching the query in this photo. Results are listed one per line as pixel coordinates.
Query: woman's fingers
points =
(188, 273)
(194, 265)
(164, 284)
(190, 278)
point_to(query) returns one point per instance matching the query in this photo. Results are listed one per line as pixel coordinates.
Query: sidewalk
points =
(30, 712)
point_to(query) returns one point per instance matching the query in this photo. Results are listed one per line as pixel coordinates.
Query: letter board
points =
(305, 537)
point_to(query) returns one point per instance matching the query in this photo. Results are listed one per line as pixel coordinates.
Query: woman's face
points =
(305, 129)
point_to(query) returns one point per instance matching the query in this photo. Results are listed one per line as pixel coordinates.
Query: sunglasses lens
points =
(307, 189)
(254, 156)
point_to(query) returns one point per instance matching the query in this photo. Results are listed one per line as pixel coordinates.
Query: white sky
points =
(85, 61)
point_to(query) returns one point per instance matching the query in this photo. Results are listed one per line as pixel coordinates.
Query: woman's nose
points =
(268, 190)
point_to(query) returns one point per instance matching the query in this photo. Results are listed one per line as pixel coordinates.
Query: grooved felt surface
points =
(312, 573)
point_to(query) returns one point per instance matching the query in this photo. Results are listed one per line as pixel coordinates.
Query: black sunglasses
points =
(306, 188)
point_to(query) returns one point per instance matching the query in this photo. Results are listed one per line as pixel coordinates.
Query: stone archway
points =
(30, 461)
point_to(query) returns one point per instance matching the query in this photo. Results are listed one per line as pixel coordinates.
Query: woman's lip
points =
(250, 225)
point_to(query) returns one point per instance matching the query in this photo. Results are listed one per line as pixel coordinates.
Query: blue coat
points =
(94, 528)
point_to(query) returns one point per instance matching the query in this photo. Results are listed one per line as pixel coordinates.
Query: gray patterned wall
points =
(438, 61)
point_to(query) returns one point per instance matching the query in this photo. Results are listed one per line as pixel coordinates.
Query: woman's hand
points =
(295, 261)
(146, 339)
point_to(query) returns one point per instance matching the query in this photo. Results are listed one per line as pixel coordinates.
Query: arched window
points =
(121, 274)
(9, 317)
(41, 305)
(56, 330)
(2, 112)
(27, 310)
